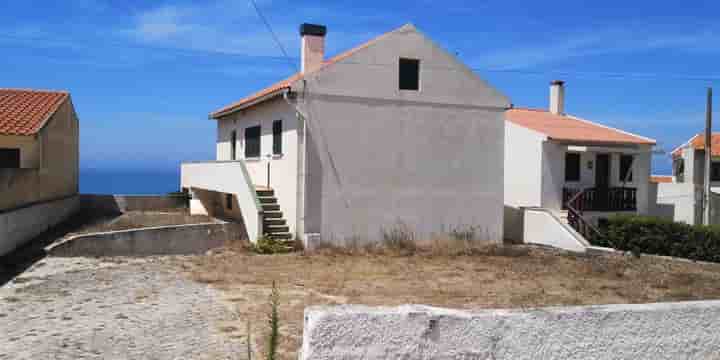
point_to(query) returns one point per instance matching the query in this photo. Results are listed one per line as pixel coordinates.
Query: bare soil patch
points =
(492, 277)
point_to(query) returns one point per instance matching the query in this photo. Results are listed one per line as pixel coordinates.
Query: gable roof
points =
(697, 142)
(278, 87)
(24, 112)
(571, 128)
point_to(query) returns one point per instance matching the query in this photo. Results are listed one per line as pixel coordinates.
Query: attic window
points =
(409, 74)
(9, 158)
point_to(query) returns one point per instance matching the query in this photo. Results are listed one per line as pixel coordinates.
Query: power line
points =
(269, 28)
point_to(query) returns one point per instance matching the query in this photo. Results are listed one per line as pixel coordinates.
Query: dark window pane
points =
(409, 74)
(626, 168)
(233, 144)
(252, 142)
(10, 158)
(277, 137)
(572, 167)
(715, 172)
(229, 201)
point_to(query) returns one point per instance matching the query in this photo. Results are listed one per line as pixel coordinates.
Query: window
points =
(10, 158)
(277, 137)
(252, 142)
(715, 171)
(626, 173)
(229, 201)
(409, 74)
(233, 145)
(572, 167)
(679, 169)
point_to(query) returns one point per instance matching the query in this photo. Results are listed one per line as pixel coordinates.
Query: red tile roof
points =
(570, 128)
(661, 179)
(697, 142)
(25, 112)
(287, 83)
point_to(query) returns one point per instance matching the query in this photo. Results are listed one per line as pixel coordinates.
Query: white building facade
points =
(396, 132)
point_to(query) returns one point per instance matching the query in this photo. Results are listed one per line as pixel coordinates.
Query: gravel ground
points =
(113, 309)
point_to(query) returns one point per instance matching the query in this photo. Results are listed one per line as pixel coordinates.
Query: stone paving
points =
(78, 308)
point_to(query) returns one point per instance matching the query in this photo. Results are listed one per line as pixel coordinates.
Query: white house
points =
(561, 162)
(680, 196)
(395, 132)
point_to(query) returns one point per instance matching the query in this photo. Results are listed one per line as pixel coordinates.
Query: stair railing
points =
(575, 207)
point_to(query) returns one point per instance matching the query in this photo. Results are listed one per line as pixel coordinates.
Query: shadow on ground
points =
(16, 262)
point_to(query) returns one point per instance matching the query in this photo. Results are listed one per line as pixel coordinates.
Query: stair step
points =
(271, 222)
(271, 207)
(265, 192)
(277, 229)
(285, 236)
(273, 214)
(267, 199)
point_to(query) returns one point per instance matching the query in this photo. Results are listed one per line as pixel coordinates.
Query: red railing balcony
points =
(601, 199)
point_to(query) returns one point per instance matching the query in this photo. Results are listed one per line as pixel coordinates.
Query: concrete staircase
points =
(274, 224)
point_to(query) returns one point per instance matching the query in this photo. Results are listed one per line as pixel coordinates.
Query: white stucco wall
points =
(523, 165)
(646, 331)
(376, 155)
(677, 201)
(283, 169)
(543, 228)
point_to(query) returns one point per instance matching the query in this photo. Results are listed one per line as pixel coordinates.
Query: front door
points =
(602, 181)
(602, 171)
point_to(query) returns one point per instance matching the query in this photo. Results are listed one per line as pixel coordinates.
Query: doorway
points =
(602, 171)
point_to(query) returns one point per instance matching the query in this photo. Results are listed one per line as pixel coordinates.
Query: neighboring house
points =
(395, 133)
(38, 163)
(682, 198)
(553, 159)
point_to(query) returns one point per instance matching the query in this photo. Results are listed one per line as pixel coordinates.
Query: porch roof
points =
(571, 128)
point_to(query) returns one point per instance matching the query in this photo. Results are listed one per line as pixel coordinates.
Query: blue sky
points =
(145, 74)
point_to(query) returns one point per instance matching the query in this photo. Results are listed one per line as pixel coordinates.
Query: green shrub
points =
(267, 245)
(651, 235)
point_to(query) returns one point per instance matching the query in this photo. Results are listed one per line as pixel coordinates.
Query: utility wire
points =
(274, 36)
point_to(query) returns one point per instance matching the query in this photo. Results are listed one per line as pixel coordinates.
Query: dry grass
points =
(464, 277)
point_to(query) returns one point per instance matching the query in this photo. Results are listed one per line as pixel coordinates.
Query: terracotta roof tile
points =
(287, 83)
(697, 142)
(661, 179)
(25, 112)
(570, 128)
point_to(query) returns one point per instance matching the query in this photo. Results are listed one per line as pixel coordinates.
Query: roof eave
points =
(271, 95)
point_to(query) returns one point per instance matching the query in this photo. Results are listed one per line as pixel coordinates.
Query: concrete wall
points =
(113, 204)
(56, 173)
(544, 228)
(376, 155)
(523, 165)
(283, 168)
(19, 226)
(165, 240)
(677, 202)
(651, 331)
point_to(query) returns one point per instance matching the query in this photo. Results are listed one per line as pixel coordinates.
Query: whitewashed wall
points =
(523, 166)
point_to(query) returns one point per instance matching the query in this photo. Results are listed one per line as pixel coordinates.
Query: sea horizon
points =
(129, 181)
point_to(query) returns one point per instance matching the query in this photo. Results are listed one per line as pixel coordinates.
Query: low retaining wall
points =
(114, 204)
(19, 226)
(652, 331)
(165, 240)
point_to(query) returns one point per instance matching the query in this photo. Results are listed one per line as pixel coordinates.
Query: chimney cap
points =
(313, 29)
(557, 82)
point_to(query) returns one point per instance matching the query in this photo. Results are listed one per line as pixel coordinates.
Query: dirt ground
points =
(517, 277)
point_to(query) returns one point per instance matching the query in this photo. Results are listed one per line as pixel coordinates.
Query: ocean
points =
(129, 182)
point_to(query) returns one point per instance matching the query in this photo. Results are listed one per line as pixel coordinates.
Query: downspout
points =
(302, 170)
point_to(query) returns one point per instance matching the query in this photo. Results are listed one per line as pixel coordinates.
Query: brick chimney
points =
(312, 47)
(557, 97)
